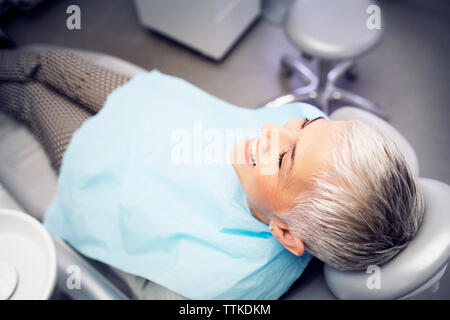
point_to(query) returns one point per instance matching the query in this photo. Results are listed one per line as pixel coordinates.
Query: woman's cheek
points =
(264, 194)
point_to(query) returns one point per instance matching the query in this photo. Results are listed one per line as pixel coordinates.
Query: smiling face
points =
(275, 168)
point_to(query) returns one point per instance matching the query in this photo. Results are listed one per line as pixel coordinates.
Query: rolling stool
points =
(336, 33)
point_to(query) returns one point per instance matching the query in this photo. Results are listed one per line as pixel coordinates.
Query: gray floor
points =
(407, 74)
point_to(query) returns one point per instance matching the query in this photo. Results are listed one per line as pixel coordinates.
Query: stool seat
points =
(330, 29)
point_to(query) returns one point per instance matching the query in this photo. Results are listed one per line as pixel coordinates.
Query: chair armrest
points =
(93, 285)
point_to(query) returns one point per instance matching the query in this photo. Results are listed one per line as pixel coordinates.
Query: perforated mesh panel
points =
(83, 81)
(17, 67)
(53, 92)
(51, 117)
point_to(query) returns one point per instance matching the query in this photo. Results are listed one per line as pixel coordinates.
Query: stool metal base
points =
(322, 89)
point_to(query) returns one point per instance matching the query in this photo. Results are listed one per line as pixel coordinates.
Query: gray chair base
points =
(322, 89)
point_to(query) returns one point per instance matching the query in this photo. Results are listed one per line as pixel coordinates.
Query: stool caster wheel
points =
(286, 70)
(306, 56)
(351, 74)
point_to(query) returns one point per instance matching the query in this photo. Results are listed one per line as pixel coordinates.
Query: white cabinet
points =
(208, 26)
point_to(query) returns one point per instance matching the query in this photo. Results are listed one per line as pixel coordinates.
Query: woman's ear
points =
(282, 233)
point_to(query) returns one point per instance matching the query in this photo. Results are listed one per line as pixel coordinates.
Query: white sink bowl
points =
(27, 257)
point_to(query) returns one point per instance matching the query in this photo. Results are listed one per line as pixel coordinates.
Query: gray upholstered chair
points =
(27, 177)
(337, 35)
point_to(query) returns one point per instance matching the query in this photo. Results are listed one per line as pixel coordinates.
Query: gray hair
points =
(364, 208)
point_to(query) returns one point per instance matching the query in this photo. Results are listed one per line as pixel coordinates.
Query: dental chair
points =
(30, 183)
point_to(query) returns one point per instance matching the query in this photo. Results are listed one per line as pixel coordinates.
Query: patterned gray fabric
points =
(82, 81)
(53, 92)
(51, 117)
(17, 67)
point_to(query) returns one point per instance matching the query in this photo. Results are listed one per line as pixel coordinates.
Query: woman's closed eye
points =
(280, 158)
(282, 154)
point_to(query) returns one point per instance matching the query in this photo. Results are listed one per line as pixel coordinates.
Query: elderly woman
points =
(207, 199)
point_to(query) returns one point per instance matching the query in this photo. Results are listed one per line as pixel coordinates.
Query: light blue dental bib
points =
(139, 190)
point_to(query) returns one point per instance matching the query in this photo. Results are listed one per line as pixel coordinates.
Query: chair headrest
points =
(424, 257)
